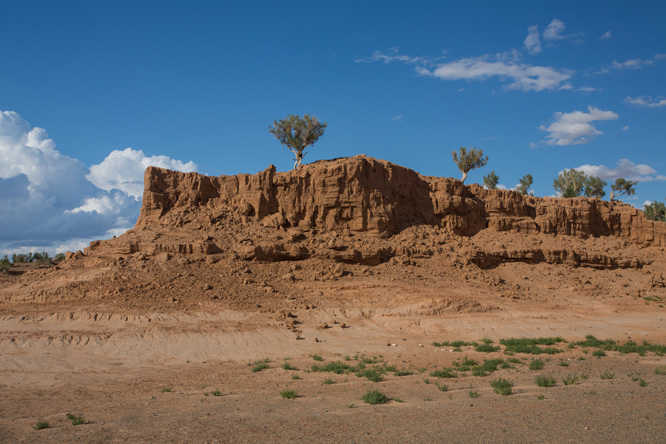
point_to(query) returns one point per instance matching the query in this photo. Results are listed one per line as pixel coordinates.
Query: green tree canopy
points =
(468, 160)
(622, 187)
(298, 133)
(570, 183)
(655, 211)
(594, 187)
(490, 181)
(525, 184)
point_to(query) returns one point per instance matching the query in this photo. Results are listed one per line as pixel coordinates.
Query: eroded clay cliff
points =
(362, 194)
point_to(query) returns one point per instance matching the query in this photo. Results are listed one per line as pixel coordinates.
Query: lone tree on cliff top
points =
(622, 187)
(468, 160)
(297, 133)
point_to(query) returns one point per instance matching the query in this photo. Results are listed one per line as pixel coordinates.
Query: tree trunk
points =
(464, 177)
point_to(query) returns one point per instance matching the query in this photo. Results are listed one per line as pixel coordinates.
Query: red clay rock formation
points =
(362, 194)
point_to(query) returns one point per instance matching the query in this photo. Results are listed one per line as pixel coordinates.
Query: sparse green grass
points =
(373, 397)
(563, 363)
(328, 381)
(536, 364)
(444, 373)
(545, 381)
(288, 394)
(571, 379)
(653, 298)
(486, 348)
(607, 375)
(541, 397)
(456, 344)
(660, 371)
(598, 353)
(642, 382)
(627, 347)
(371, 374)
(531, 345)
(166, 389)
(260, 365)
(288, 366)
(398, 400)
(442, 387)
(316, 357)
(41, 425)
(502, 386)
(216, 393)
(76, 420)
(473, 394)
(488, 366)
(295, 377)
(402, 373)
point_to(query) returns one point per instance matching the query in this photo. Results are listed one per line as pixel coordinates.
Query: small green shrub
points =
(444, 373)
(531, 345)
(41, 425)
(598, 353)
(486, 348)
(660, 371)
(288, 394)
(642, 382)
(473, 394)
(329, 381)
(402, 373)
(536, 364)
(60, 257)
(371, 374)
(216, 393)
(166, 389)
(260, 365)
(607, 375)
(563, 363)
(317, 358)
(502, 386)
(295, 377)
(442, 387)
(456, 344)
(373, 397)
(571, 379)
(76, 420)
(544, 381)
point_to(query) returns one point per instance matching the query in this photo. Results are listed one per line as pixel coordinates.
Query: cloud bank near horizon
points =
(52, 202)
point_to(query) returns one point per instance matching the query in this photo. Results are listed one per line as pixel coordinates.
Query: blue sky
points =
(92, 92)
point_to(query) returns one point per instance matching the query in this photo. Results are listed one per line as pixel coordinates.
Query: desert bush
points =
(288, 394)
(502, 386)
(373, 397)
(544, 381)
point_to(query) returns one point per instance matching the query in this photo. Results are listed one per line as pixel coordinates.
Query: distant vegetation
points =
(525, 184)
(655, 211)
(574, 183)
(490, 181)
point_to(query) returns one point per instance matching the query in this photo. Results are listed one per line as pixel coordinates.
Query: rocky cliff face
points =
(366, 195)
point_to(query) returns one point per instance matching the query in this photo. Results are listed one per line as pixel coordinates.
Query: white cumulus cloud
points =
(507, 67)
(532, 41)
(554, 30)
(123, 170)
(646, 101)
(46, 200)
(624, 168)
(575, 127)
(606, 36)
